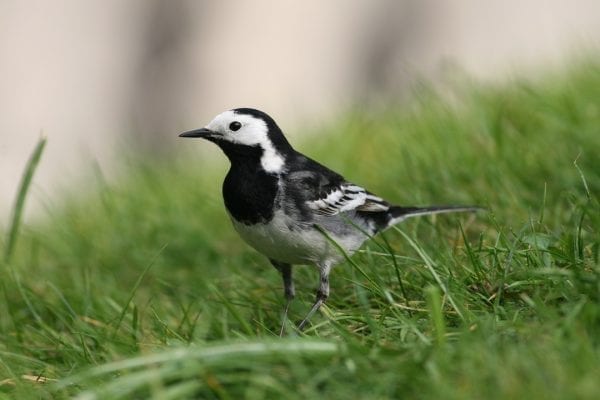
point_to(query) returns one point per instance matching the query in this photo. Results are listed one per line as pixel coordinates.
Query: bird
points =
(292, 209)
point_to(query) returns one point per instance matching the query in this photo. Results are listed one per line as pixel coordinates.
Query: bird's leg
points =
(288, 288)
(288, 291)
(322, 293)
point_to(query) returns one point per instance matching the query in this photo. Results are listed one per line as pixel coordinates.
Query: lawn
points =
(138, 287)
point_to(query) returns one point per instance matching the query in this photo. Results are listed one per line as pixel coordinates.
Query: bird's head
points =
(246, 131)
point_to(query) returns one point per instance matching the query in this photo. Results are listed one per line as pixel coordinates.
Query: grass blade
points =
(135, 288)
(19, 206)
(434, 302)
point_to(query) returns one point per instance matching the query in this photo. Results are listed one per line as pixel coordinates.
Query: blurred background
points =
(97, 76)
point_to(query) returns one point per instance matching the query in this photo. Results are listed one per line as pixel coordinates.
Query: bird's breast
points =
(249, 194)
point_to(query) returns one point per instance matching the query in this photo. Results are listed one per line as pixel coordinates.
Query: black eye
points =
(235, 125)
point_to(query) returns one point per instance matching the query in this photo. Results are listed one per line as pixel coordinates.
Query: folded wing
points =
(347, 197)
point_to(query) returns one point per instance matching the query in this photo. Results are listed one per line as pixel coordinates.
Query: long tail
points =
(399, 214)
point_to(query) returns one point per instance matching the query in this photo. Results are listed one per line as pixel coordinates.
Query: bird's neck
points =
(270, 158)
(252, 183)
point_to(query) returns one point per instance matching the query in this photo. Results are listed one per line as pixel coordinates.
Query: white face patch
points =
(253, 132)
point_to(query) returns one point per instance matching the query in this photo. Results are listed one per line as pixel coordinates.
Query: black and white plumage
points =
(289, 207)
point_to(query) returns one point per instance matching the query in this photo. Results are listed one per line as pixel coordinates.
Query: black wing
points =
(325, 192)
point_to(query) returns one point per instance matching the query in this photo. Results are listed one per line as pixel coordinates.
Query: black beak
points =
(201, 133)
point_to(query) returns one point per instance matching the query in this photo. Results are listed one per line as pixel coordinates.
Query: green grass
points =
(140, 288)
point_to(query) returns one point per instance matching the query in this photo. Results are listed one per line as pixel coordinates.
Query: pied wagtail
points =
(291, 208)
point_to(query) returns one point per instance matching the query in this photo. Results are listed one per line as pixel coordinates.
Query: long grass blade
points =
(19, 206)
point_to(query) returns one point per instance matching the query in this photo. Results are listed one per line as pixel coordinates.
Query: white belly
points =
(282, 240)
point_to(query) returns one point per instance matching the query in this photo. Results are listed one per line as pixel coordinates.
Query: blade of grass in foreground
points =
(214, 355)
(434, 302)
(17, 213)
